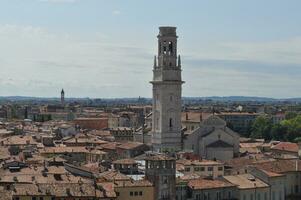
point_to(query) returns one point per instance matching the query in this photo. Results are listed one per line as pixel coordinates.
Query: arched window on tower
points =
(170, 123)
(164, 47)
(170, 48)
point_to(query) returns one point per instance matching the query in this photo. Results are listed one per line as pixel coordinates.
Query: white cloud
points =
(84, 66)
(286, 51)
(116, 12)
(37, 62)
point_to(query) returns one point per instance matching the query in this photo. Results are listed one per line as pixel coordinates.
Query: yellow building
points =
(134, 190)
(207, 168)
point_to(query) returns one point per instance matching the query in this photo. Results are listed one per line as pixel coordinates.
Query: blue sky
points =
(105, 48)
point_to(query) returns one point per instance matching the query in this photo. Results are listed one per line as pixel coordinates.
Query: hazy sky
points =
(105, 48)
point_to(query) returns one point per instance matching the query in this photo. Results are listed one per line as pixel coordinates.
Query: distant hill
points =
(211, 98)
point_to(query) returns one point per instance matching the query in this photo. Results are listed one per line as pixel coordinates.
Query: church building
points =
(212, 140)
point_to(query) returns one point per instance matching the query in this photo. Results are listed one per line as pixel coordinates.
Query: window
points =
(34, 198)
(258, 196)
(164, 50)
(165, 179)
(202, 169)
(117, 193)
(197, 169)
(131, 193)
(140, 193)
(170, 47)
(136, 193)
(170, 122)
(41, 198)
(187, 169)
(220, 168)
(210, 169)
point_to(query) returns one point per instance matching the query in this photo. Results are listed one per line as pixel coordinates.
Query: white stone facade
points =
(213, 140)
(167, 93)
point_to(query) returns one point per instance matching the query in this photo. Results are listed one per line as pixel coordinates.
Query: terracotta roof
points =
(244, 161)
(108, 188)
(246, 181)
(110, 146)
(201, 184)
(202, 162)
(5, 194)
(58, 190)
(113, 176)
(64, 150)
(271, 174)
(279, 166)
(286, 146)
(125, 161)
(85, 141)
(19, 140)
(130, 145)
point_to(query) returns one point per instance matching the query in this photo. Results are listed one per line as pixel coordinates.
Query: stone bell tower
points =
(167, 92)
(63, 97)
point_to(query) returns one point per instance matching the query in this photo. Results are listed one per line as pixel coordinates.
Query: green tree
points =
(261, 128)
(278, 132)
(293, 127)
(290, 115)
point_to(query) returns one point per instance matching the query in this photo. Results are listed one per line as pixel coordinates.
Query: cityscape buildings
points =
(165, 149)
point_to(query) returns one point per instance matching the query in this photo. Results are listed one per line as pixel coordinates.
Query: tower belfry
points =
(167, 92)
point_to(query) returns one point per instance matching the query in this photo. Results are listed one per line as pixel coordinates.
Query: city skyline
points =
(103, 49)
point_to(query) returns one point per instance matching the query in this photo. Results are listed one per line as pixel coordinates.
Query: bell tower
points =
(63, 97)
(167, 92)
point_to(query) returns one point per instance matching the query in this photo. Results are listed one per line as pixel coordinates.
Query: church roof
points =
(219, 143)
(214, 121)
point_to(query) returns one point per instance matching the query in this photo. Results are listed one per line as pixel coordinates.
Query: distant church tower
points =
(167, 92)
(63, 97)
